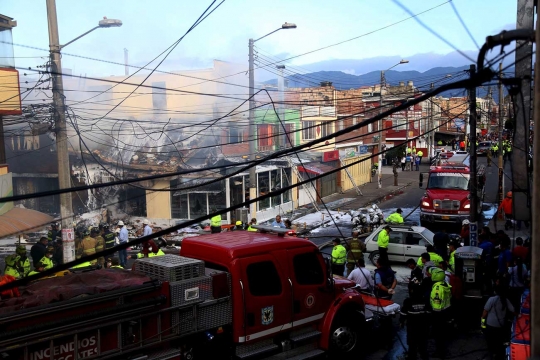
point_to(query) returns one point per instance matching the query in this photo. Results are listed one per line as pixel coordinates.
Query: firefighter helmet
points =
(239, 223)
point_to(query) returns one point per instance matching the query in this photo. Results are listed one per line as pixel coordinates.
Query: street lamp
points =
(59, 113)
(379, 170)
(252, 137)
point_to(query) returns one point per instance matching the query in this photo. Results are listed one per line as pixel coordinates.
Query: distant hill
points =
(422, 80)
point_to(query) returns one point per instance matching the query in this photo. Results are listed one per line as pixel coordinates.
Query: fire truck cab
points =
(237, 295)
(447, 199)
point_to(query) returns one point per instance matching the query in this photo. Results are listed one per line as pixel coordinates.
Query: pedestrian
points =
(382, 242)
(108, 236)
(505, 209)
(415, 313)
(278, 222)
(356, 251)
(420, 155)
(385, 280)
(361, 276)
(18, 264)
(440, 243)
(123, 237)
(403, 161)
(38, 250)
(440, 300)
(408, 162)
(520, 250)
(462, 145)
(417, 163)
(498, 311)
(252, 222)
(339, 256)
(452, 247)
(395, 218)
(416, 272)
(504, 260)
(215, 225)
(465, 232)
(518, 279)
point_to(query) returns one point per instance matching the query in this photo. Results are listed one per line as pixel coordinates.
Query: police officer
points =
(150, 254)
(108, 236)
(339, 256)
(18, 264)
(46, 261)
(215, 223)
(356, 251)
(382, 241)
(395, 218)
(440, 299)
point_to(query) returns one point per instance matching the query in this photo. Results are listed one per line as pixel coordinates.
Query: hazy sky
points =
(149, 27)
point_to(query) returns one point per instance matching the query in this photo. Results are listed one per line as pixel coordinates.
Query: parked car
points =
(405, 242)
(483, 147)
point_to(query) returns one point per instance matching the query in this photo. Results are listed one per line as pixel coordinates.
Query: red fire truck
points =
(447, 196)
(235, 295)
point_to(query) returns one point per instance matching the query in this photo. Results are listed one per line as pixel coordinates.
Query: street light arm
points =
(78, 37)
(267, 34)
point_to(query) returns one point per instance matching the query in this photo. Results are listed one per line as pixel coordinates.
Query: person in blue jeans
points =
(417, 162)
(122, 238)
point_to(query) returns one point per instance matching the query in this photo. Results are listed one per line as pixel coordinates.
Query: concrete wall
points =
(158, 203)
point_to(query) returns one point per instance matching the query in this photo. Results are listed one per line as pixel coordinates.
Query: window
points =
(286, 177)
(308, 269)
(275, 184)
(236, 135)
(308, 130)
(264, 188)
(415, 239)
(340, 125)
(326, 128)
(370, 128)
(263, 279)
(396, 237)
(399, 124)
(286, 137)
(355, 120)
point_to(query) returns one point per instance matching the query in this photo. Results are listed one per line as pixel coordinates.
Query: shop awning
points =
(315, 169)
(19, 220)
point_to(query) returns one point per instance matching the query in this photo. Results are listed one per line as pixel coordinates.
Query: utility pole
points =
(431, 126)
(520, 148)
(280, 125)
(473, 181)
(500, 152)
(380, 129)
(535, 255)
(252, 135)
(59, 113)
(407, 128)
(126, 61)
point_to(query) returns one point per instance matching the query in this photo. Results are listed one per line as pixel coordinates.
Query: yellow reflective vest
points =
(383, 239)
(441, 294)
(16, 267)
(394, 218)
(433, 257)
(215, 221)
(339, 255)
(151, 254)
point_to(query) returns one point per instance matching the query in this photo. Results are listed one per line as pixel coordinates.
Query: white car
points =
(405, 242)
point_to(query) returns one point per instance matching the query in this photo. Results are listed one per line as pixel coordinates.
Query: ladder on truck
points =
(358, 191)
(306, 187)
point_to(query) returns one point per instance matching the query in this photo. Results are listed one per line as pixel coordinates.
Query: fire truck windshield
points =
(446, 180)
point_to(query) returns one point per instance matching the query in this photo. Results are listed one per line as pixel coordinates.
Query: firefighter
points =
(108, 236)
(88, 245)
(54, 232)
(100, 245)
(382, 241)
(440, 299)
(252, 222)
(18, 264)
(9, 293)
(215, 223)
(339, 256)
(395, 218)
(356, 251)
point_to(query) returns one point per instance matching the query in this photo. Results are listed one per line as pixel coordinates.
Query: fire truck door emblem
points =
(267, 315)
(310, 300)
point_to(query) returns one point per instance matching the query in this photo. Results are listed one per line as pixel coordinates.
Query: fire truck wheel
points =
(374, 256)
(345, 336)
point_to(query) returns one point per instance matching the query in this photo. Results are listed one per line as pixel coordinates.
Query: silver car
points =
(405, 242)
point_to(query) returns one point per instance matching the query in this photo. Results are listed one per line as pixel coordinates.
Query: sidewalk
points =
(498, 224)
(371, 192)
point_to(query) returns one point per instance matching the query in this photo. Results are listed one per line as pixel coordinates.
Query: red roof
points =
(224, 247)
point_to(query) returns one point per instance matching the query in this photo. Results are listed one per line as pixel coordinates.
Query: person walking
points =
(415, 313)
(498, 310)
(123, 237)
(339, 256)
(505, 209)
(356, 251)
(278, 222)
(417, 163)
(215, 225)
(395, 218)
(403, 161)
(361, 276)
(18, 264)
(420, 155)
(408, 162)
(518, 279)
(382, 242)
(440, 300)
(385, 280)
(38, 250)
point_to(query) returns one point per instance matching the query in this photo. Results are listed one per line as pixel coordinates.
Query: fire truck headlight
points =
(425, 203)
(467, 206)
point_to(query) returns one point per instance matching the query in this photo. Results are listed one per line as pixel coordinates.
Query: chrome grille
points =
(446, 204)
